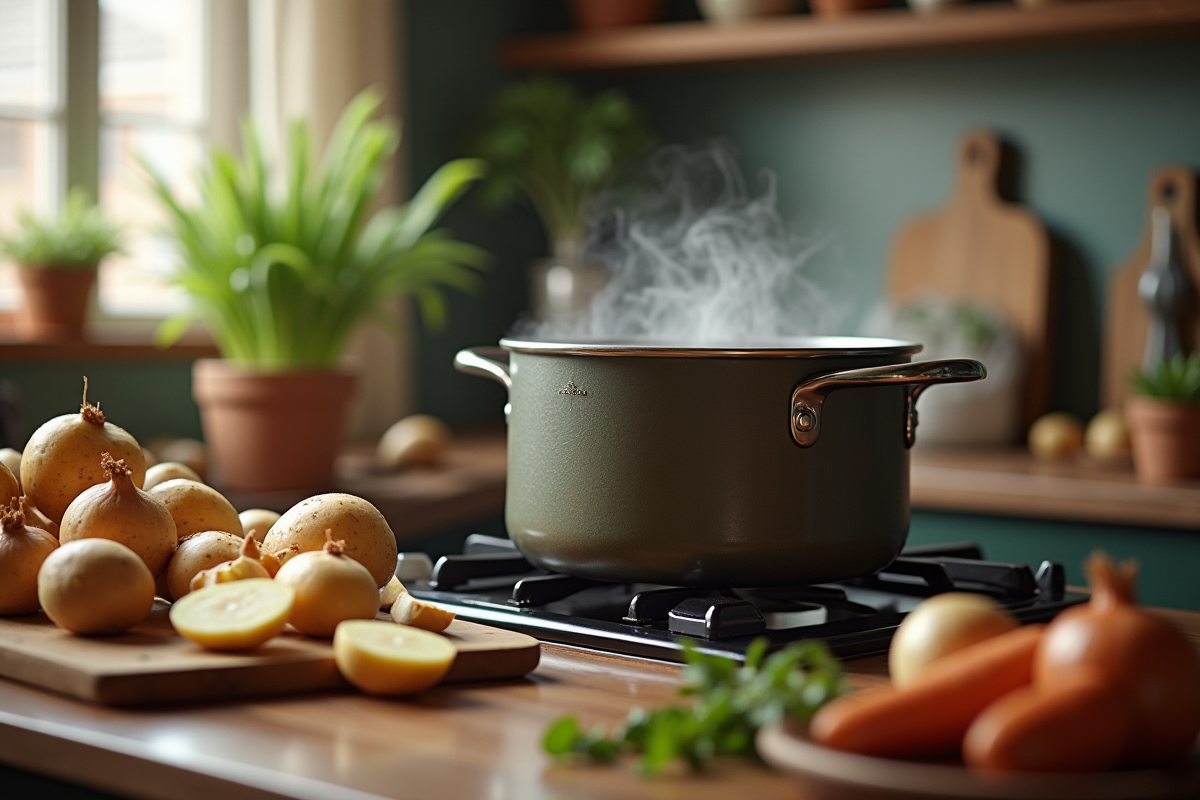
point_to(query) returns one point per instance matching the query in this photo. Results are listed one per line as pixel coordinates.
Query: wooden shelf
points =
(1010, 482)
(992, 25)
(12, 350)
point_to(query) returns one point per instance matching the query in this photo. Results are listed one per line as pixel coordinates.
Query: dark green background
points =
(858, 146)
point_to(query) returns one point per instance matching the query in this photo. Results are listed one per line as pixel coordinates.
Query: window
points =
(151, 86)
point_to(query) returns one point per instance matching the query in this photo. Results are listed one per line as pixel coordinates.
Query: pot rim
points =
(782, 347)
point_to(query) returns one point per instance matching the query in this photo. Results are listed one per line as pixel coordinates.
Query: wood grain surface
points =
(1127, 321)
(152, 665)
(980, 248)
(468, 741)
(1011, 482)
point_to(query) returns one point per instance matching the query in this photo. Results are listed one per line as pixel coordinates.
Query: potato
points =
(408, 610)
(259, 520)
(11, 459)
(197, 553)
(1055, 435)
(239, 615)
(196, 507)
(95, 586)
(368, 538)
(417, 439)
(1107, 436)
(10, 488)
(169, 471)
(386, 659)
(939, 626)
(151, 459)
(388, 594)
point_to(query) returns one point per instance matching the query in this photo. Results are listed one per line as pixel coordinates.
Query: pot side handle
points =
(809, 396)
(485, 362)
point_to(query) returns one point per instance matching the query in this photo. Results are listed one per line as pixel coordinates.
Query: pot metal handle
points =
(485, 362)
(809, 396)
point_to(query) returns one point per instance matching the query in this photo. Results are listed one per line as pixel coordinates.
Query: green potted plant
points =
(57, 259)
(282, 279)
(546, 141)
(1164, 420)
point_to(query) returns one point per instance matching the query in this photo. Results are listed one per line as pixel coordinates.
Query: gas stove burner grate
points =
(491, 582)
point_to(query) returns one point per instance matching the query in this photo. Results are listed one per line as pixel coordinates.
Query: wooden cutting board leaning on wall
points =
(1126, 320)
(981, 248)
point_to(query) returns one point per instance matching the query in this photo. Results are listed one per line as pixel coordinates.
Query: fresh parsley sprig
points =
(731, 702)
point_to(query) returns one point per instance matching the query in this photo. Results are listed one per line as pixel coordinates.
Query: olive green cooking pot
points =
(711, 466)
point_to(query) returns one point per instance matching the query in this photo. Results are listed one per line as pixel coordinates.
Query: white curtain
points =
(308, 58)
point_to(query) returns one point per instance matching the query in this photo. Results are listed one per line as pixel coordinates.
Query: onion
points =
(1056, 435)
(1143, 657)
(331, 587)
(247, 565)
(940, 626)
(62, 458)
(120, 511)
(22, 551)
(95, 586)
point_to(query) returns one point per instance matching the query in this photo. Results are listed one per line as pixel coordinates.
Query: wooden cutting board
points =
(984, 249)
(152, 665)
(1127, 321)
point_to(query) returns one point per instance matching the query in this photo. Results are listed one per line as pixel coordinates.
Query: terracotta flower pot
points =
(1165, 437)
(600, 14)
(56, 303)
(842, 8)
(272, 431)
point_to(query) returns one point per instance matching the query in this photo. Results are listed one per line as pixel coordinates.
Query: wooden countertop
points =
(468, 741)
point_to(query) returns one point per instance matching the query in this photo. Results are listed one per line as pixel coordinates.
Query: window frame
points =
(76, 119)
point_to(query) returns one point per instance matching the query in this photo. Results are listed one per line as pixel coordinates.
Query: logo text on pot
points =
(572, 390)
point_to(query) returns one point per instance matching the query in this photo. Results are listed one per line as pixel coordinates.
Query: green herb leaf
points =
(562, 736)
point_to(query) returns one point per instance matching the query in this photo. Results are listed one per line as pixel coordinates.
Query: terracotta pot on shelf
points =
(272, 431)
(1165, 437)
(55, 304)
(842, 8)
(603, 14)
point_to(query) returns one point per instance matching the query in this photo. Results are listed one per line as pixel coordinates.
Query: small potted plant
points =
(543, 139)
(1164, 420)
(57, 259)
(282, 279)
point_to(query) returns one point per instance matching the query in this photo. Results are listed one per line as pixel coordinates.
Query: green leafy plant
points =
(78, 238)
(731, 702)
(283, 279)
(543, 138)
(1176, 379)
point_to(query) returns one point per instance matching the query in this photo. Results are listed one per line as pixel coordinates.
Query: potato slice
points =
(239, 615)
(387, 659)
(388, 594)
(408, 610)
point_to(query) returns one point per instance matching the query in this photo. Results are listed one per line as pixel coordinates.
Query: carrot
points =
(1083, 726)
(931, 715)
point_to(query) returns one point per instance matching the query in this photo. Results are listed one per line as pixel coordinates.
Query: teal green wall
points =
(147, 398)
(858, 147)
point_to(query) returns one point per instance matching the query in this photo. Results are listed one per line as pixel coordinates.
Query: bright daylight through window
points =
(153, 92)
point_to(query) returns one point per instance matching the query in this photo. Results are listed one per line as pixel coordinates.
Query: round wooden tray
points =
(837, 775)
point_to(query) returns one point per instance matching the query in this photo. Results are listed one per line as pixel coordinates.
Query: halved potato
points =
(387, 659)
(239, 615)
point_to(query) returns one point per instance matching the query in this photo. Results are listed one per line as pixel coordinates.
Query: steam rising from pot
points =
(696, 259)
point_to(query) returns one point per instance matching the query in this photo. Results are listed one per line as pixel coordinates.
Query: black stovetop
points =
(492, 583)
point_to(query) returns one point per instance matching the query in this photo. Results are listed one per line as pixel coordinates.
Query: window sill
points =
(1008, 481)
(108, 339)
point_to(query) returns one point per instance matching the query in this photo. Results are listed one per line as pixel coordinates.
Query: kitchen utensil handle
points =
(809, 397)
(486, 362)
